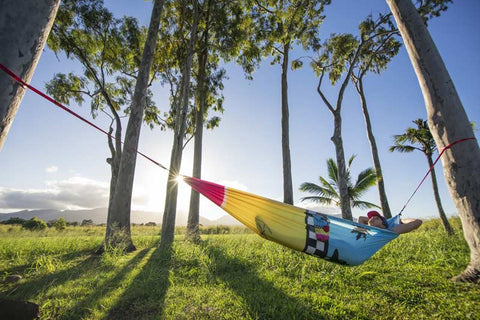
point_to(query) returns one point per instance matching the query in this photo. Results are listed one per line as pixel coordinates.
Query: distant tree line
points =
(36, 224)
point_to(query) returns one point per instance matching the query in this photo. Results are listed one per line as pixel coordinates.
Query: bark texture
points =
(24, 26)
(286, 158)
(193, 231)
(441, 212)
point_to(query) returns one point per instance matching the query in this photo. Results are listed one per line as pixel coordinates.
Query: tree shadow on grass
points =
(145, 297)
(24, 268)
(32, 287)
(83, 307)
(262, 298)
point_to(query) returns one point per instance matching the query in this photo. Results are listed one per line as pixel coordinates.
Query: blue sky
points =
(52, 160)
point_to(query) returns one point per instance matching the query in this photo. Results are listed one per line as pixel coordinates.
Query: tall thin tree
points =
(338, 57)
(169, 214)
(282, 24)
(109, 51)
(225, 34)
(122, 199)
(448, 123)
(374, 58)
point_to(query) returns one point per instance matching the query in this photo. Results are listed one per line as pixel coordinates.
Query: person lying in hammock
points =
(395, 224)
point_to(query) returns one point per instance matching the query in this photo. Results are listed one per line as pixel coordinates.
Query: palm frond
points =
(316, 189)
(327, 192)
(332, 170)
(366, 179)
(331, 188)
(350, 160)
(402, 148)
(364, 205)
(321, 200)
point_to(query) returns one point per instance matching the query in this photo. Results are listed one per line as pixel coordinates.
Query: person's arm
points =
(407, 225)
(363, 220)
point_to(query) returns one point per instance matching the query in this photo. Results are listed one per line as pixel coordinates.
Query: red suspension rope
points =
(431, 168)
(58, 104)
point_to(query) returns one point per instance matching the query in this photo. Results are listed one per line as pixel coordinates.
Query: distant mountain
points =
(99, 215)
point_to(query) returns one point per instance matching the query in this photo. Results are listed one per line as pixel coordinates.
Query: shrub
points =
(60, 224)
(35, 224)
(87, 222)
(15, 220)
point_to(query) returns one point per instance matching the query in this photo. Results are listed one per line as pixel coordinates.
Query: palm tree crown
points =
(416, 136)
(328, 192)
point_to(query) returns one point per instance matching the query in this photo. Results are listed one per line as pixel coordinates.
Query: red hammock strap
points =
(431, 168)
(58, 104)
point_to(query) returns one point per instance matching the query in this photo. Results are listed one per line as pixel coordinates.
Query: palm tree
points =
(422, 140)
(328, 191)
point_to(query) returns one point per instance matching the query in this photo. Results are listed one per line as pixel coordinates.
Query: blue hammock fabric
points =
(349, 243)
(324, 236)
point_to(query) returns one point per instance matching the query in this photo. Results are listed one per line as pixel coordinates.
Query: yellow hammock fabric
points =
(328, 237)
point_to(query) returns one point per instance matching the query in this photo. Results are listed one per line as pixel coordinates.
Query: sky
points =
(52, 160)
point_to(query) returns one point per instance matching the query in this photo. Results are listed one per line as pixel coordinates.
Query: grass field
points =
(234, 276)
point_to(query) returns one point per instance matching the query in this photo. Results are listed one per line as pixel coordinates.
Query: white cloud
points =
(51, 169)
(73, 193)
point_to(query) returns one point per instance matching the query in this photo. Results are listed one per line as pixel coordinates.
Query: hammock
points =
(328, 237)
(324, 236)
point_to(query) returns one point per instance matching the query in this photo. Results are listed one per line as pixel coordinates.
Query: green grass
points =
(234, 276)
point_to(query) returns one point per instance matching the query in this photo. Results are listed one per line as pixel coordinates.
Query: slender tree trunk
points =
(287, 163)
(24, 26)
(168, 225)
(193, 231)
(373, 145)
(342, 172)
(448, 123)
(114, 162)
(338, 141)
(441, 212)
(123, 191)
(113, 182)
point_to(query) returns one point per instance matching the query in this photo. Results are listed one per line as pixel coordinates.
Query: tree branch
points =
(264, 8)
(325, 100)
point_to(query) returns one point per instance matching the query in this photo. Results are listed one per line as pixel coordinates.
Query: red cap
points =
(374, 213)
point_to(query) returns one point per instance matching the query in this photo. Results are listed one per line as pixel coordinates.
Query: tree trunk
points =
(120, 221)
(193, 231)
(342, 172)
(114, 162)
(168, 224)
(287, 163)
(441, 212)
(24, 26)
(373, 145)
(448, 123)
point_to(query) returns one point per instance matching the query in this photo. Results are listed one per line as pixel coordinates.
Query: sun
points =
(179, 178)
